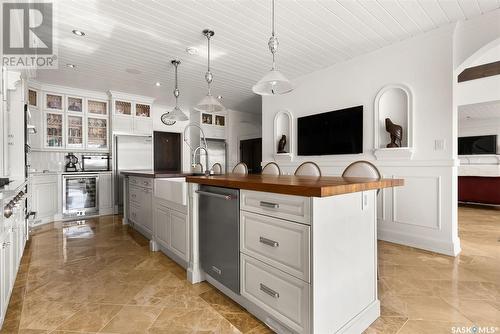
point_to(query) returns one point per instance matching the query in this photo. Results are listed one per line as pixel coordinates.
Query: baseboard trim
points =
(363, 320)
(447, 248)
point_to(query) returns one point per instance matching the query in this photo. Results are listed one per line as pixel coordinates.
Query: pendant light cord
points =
(273, 41)
(176, 90)
(209, 81)
(273, 18)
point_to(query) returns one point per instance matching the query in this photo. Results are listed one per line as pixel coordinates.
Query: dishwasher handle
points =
(221, 196)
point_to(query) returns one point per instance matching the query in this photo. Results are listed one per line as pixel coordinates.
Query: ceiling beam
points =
(481, 71)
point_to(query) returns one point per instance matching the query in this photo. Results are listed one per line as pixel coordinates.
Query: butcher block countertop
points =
(154, 174)
(308, 186)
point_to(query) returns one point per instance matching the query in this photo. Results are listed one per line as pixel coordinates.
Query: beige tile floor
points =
(98, 276)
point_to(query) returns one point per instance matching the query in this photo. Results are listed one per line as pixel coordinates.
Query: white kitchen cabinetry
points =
(140, 205)
(132, 114)
(12, 243)
(105, 193)
(68, 119)
(46, 197)
(169, 231)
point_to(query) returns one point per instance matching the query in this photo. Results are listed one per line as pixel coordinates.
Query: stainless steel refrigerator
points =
(130, 153)
(217, 152)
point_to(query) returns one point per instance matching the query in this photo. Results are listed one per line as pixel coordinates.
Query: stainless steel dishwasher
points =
(219, 212)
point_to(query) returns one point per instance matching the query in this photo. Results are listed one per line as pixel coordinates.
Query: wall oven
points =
(80, 195)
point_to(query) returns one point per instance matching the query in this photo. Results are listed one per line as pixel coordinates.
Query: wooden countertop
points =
(155, 174)
(309, 186)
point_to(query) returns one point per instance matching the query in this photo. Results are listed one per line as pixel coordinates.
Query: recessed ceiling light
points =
(158, 84)
(133, 71)
(71, 65)
(78, 32)
(192, 50)
(219, 97)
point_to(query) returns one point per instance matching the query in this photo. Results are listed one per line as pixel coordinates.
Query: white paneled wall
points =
(423, 212)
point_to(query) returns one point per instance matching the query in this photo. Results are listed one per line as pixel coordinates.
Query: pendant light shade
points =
(176, 114)
(274, 82)
(209, 103)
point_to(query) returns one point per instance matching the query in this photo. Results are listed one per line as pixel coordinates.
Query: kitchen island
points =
(306, 247)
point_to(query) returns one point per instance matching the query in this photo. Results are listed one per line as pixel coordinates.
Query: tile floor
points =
(98, 276)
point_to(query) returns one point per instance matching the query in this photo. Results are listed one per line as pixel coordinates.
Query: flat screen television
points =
(329, 133)
(477, 145)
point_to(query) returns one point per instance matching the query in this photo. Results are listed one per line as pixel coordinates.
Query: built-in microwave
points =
(96, 162)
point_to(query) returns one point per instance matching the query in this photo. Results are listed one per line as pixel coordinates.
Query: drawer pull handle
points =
(269, 291)
(269, 205)
(134, 195)
(269, 242)
(216, 270)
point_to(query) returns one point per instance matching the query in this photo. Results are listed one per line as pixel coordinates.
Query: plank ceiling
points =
(124, 36)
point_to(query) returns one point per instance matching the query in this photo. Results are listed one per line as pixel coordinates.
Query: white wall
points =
(421, 213)
(478, 91)
(241, 126)
(473, 34)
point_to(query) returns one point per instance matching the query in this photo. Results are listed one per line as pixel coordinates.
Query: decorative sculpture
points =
(281, 144)
(396, 132)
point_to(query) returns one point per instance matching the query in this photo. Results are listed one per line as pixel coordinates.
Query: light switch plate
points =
(439, 145)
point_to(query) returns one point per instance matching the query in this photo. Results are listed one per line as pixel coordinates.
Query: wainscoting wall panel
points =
(419, 214)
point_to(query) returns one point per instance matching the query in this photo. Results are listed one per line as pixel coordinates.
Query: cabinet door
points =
(179, 235)
(105, 191)
(97, 133)
(54, 130)
(162, 225)
(45, 199)
(143, 125)
(145, 209)
(74, 131)
(123, 124)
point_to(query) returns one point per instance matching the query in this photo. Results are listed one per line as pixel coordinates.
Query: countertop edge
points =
(299, 190)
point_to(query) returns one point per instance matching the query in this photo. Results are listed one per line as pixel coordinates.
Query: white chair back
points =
(198, 168)
(217, 168)
(271, 168)
(240, 168)
(362, 169)
(308, 168)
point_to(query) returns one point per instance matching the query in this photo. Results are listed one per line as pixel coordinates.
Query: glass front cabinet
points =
(97, 133)
(54, 126)
(73, 122)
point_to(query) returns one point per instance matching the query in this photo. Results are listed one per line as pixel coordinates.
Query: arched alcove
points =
(396, 103)
(283, 125)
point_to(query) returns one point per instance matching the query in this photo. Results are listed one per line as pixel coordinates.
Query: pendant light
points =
(176, 114)
(274, 82)
(209, 103)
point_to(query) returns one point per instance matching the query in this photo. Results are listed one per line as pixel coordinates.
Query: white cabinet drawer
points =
(144, 182)
(135, 194)
(281, 295)
(135, 213)
(295, 208)
(280, 243)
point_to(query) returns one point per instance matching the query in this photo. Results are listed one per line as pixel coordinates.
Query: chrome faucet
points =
(198, 148)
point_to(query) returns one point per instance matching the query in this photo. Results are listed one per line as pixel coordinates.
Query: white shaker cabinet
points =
(140, 205)
(45, 196)
(105, 193)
